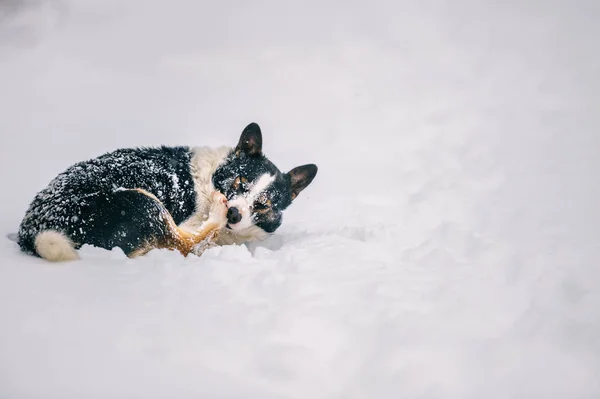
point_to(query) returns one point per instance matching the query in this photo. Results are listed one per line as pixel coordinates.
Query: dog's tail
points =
(54, 246)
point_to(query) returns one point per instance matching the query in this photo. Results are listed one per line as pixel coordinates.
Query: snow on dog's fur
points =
(179, 198)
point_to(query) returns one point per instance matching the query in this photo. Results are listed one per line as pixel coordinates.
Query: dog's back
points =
(77, 205)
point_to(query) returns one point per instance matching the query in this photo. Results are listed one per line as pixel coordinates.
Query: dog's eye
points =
(239, 184)
(263, 205)
(260, 207)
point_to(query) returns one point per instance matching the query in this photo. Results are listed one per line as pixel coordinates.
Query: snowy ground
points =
(448, 247)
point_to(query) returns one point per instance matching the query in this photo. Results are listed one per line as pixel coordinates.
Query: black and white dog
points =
(179, 198)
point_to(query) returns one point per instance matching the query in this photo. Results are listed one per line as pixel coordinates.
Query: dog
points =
(175, 197)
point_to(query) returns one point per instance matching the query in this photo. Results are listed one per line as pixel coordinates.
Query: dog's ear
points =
(301, 177)
(250, 141)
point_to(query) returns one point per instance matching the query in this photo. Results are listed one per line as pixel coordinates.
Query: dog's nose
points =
(233, 215)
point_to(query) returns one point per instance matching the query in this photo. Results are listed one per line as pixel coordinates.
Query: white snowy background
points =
(448, 247)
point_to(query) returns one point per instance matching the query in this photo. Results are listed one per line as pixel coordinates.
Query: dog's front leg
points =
(210, 228)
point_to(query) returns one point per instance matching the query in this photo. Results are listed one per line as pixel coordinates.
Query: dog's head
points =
(257, 191)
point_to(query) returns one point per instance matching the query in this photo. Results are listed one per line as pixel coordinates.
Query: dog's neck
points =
(204, 163)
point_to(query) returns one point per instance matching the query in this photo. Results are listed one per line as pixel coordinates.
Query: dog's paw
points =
(207, 243)
(218, 209)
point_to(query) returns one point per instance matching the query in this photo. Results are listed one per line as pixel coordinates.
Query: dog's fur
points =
(179, 198)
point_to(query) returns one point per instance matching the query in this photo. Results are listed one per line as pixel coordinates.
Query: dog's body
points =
(180, 198)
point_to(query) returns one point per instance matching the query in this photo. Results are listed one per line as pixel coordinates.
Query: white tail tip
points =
(55, 246)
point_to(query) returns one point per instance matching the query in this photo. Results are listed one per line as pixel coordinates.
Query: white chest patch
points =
(202, 167)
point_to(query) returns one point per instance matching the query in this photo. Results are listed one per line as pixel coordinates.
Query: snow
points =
(448, 247)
